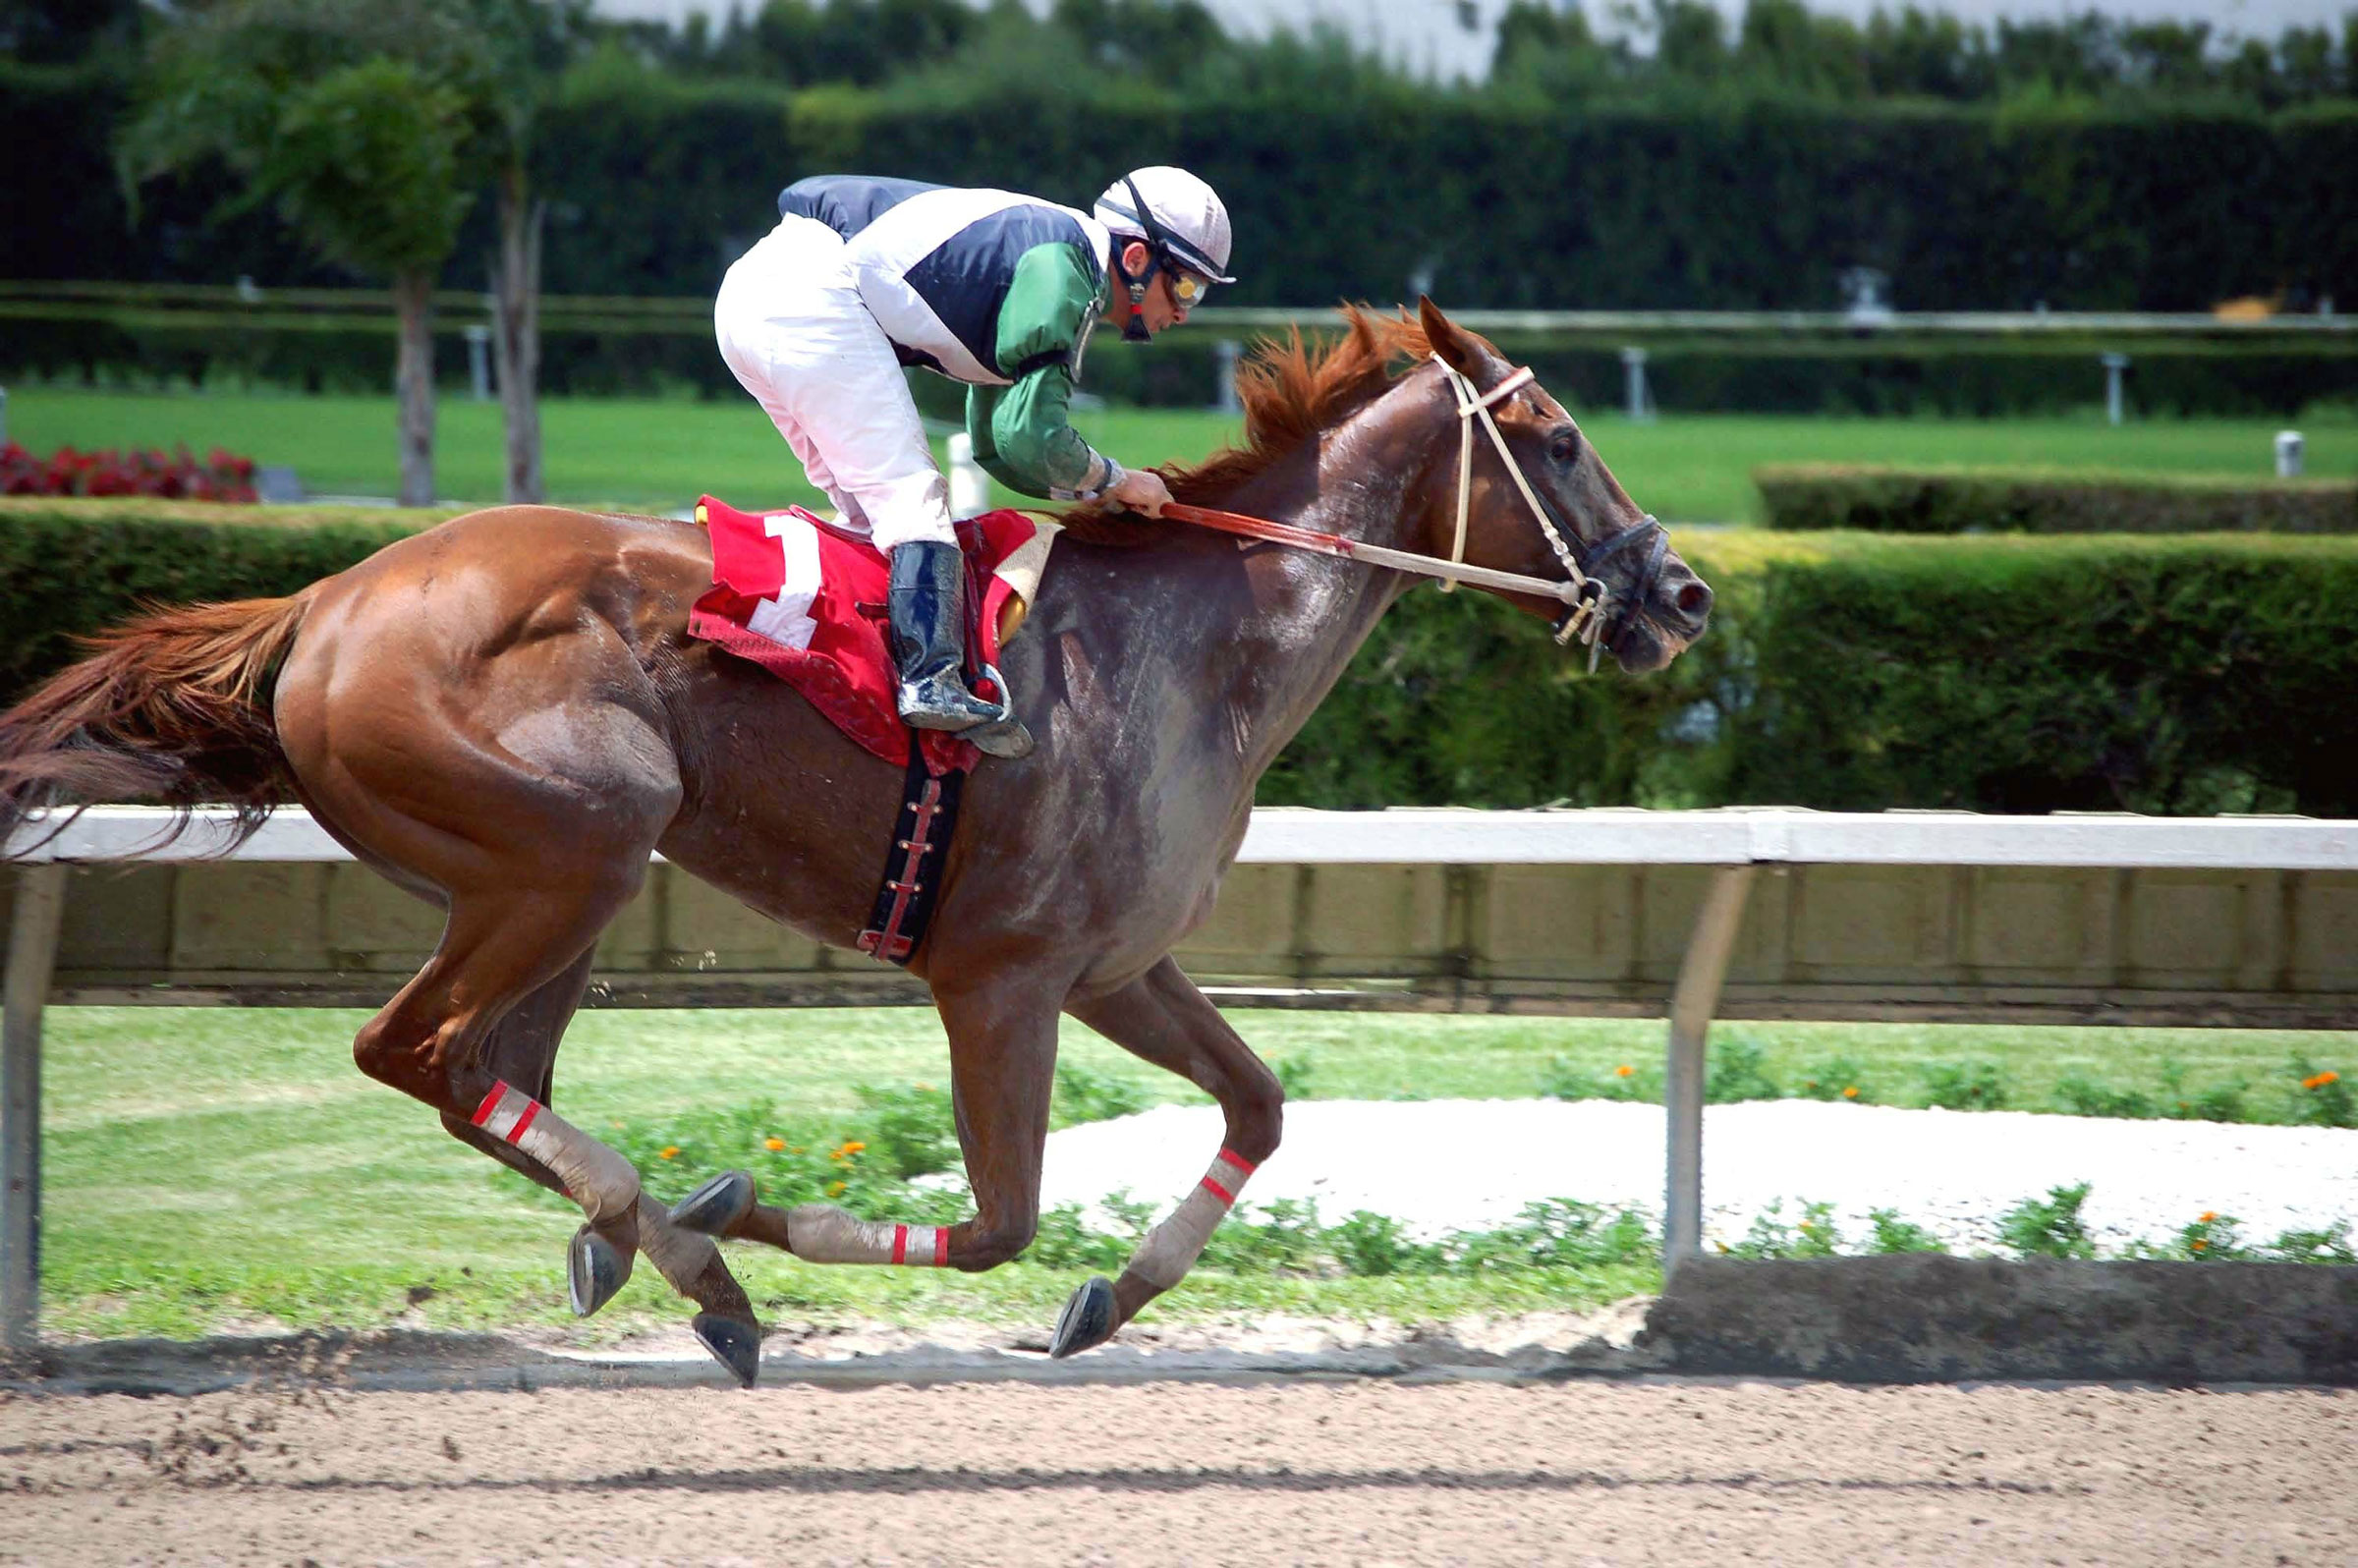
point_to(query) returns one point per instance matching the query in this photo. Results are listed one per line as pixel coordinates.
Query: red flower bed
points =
(221, 476)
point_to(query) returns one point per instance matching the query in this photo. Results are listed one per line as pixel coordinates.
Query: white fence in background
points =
(1735, 842)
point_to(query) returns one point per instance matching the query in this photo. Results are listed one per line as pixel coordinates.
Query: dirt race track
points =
(1326, 1471)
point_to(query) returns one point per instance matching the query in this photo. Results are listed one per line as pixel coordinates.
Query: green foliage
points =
(1735, 1074)
(1894, 500)
(1965, 1086)
(1370, 1243)
(2330, 1246)
(1297, 1076)
(1836, 1078)
(364, 162)
(69, 567)
(2220, 1102)
(2049, 1227)
(1559, 1233)
(1087, 1096)
(1287, 1239)
(1771, 1236)
(1565, 1080)
(1893, 1234)
(2324, 1100)
(915, 1131)
(794, 1159)
(2081, 1097)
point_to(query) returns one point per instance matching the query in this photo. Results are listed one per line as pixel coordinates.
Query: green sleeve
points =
(1023, 433)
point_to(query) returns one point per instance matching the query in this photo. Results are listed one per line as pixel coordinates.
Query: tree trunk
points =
(413, 385)
(515, 331)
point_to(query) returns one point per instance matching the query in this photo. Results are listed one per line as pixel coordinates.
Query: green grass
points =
(219, 1168)
(662, 453)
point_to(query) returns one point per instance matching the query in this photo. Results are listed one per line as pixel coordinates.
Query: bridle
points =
(1587, 612)
(1586, 599)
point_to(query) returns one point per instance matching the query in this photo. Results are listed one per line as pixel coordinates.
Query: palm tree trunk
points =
(413, 385)
(515, 331)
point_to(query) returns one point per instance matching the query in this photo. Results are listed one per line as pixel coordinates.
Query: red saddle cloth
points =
(805, 599)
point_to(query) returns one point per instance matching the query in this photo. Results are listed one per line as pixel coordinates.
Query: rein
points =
(1582, 596)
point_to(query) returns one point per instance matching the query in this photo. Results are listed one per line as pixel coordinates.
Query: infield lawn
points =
(217, 1169)
(661, 454)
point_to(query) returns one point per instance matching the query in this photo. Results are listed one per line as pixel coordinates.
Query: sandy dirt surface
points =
(1319, 1471)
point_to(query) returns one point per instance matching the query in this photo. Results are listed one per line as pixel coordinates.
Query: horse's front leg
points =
(1002, 1071)
(1164, 1019)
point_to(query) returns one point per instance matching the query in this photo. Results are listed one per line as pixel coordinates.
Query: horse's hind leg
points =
(522, 1050)
(1164, 1019)
(505, 942)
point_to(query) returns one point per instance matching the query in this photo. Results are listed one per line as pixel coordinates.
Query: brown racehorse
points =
(504, 715)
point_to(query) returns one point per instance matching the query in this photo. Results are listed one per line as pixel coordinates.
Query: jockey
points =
(863, 276)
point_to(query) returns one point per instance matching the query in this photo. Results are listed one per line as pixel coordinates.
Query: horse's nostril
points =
(1694, 602)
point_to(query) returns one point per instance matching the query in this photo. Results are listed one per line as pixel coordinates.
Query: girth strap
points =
(920, 846)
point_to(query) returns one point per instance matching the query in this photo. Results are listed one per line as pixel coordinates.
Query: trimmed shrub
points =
(1896, 500)
(70, 566)
(2173, 674)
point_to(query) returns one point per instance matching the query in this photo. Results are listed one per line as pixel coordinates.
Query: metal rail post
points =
(32, 955)
(1699, 976)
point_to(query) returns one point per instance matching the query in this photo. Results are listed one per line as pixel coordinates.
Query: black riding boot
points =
(925, 608)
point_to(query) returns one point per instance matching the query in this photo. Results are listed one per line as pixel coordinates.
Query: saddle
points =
(806, 600)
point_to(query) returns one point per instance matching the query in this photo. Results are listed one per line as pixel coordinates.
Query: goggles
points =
(1187, 288)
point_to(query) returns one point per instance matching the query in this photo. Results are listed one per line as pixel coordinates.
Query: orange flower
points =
(851, 1146)
(2208, 1214)
(1623, 1071)
(671, 1151)
(2320, 1080)
(834, 1189)
(774, 1145)
(1850, 1091)
(2200, 1245)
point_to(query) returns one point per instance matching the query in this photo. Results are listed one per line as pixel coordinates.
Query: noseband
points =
(1589, 614)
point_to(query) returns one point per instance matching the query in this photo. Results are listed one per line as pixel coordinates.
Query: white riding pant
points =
(793, 327)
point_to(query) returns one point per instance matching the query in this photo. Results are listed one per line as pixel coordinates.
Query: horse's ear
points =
(1457, 351)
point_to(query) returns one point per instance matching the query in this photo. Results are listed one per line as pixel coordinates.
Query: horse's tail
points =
(173, 705)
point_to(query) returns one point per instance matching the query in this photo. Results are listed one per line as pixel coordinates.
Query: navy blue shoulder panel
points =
(846, 203)
(967, 276)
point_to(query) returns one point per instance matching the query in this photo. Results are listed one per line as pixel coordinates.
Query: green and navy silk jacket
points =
(990, 288)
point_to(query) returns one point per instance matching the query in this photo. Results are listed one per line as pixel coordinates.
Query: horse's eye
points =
(1564, 450)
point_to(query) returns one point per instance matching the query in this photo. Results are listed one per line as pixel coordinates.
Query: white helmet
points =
(1172, 209)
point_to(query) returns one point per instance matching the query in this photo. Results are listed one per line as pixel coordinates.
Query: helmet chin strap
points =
(1134, 325)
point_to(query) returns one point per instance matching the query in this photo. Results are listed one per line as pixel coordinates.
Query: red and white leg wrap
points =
(595, 1177)
(1171, 1247)
(822, 1233)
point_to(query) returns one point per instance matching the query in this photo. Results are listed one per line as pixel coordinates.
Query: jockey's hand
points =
(1140, 490)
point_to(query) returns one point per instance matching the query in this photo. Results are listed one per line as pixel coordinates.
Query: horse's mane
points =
(1291, 390)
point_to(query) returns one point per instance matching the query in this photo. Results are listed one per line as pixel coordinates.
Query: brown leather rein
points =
(1573, 595)
(1253, 528)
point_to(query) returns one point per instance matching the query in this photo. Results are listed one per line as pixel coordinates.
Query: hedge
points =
(2178, 674)
(70, 566)
(1956, 500)
(2181, 673)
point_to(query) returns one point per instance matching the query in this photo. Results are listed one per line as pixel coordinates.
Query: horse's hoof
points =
(594, 1270)
(735, 1343)
(716, 1208)
(1087, 1320)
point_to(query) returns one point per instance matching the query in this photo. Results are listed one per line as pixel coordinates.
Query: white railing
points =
(1736, 841)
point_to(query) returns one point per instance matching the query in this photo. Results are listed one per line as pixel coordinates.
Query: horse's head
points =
(1568, 518)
